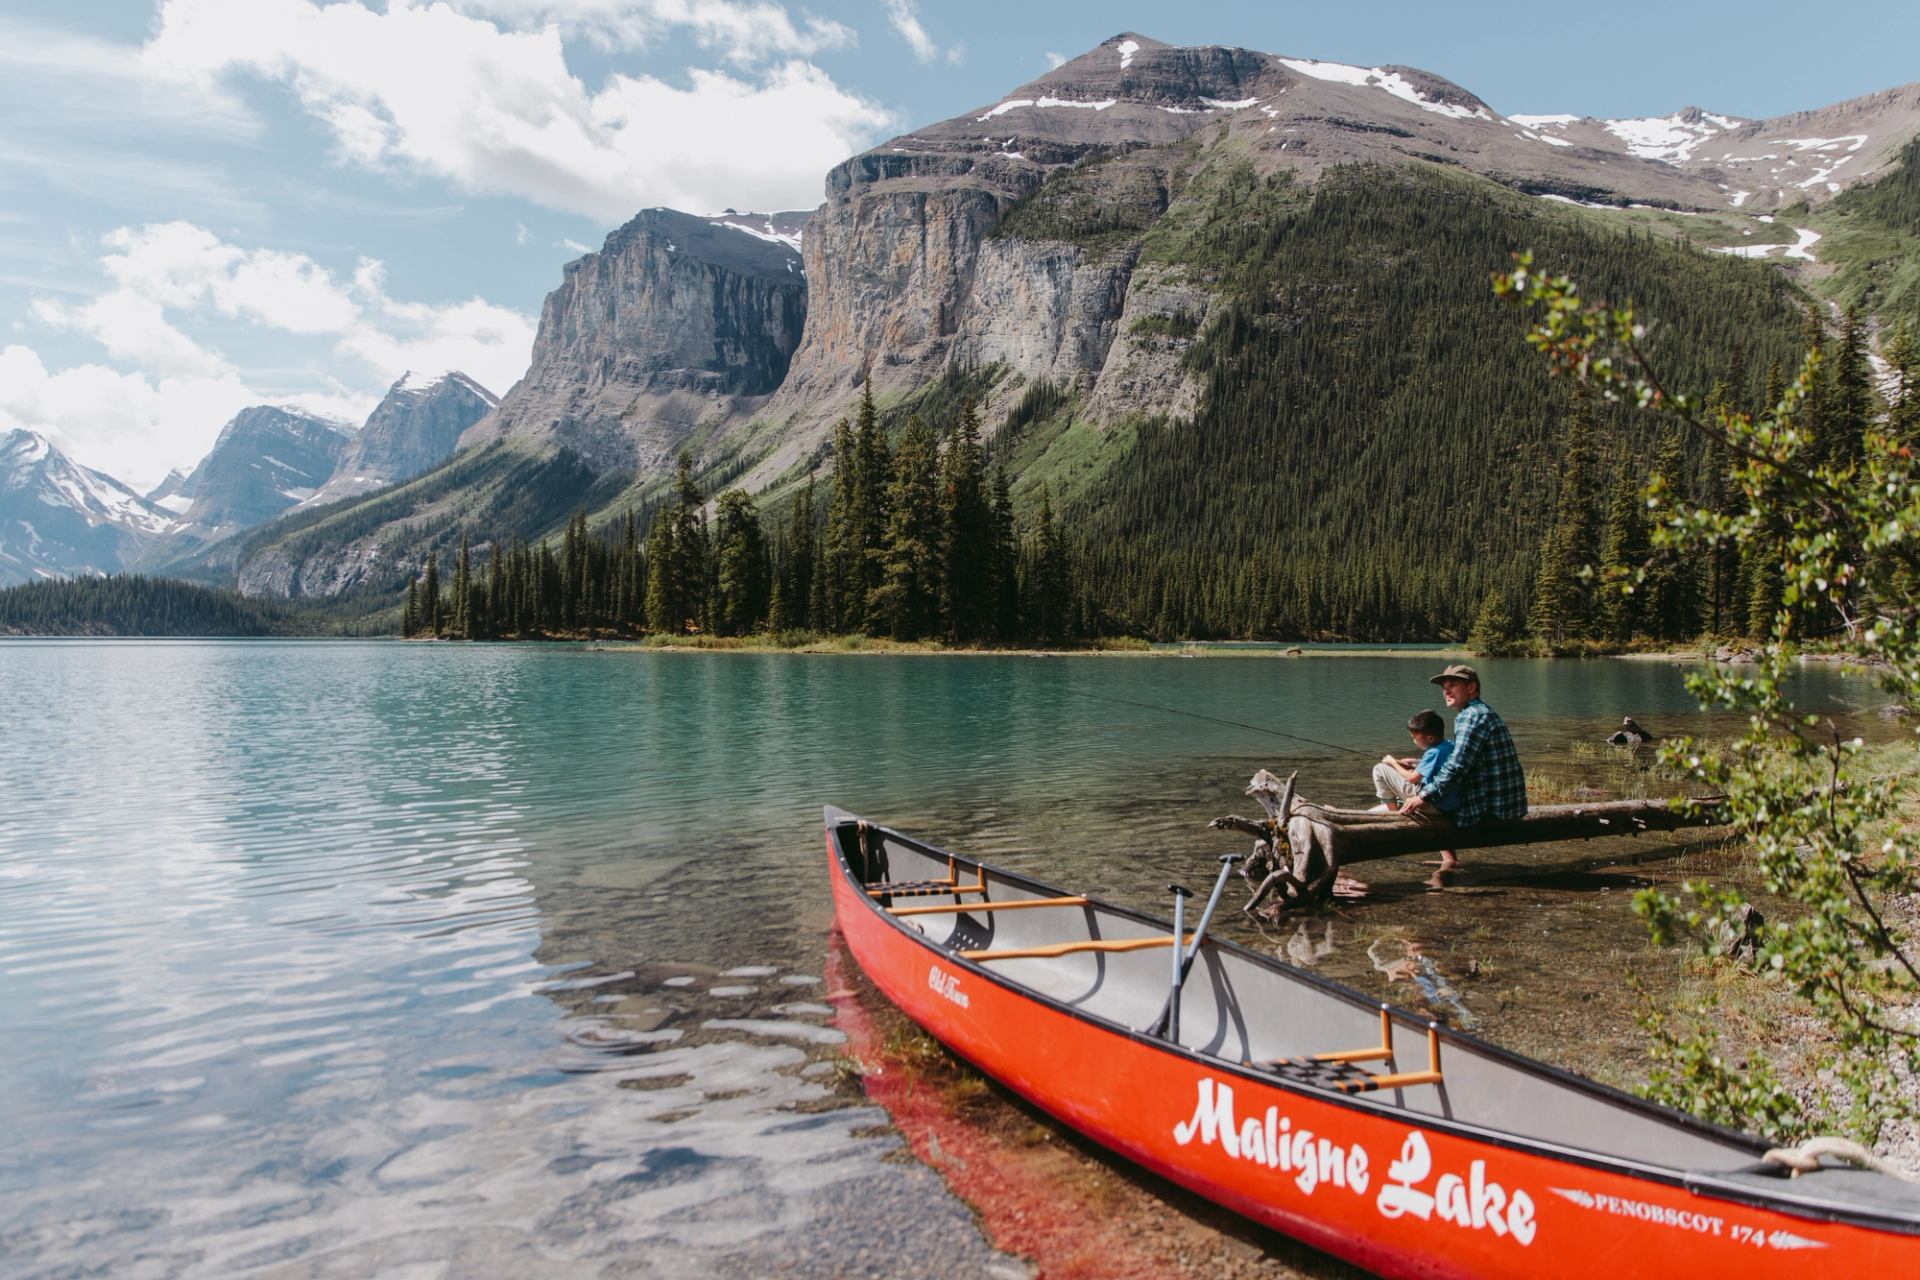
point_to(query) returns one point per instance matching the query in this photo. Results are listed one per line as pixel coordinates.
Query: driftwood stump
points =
(1301, 848)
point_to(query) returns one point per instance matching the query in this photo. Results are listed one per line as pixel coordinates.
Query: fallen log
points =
(1301, 848)
(1359, 836)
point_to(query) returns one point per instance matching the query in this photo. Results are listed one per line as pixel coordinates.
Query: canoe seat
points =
(1340, 1069)
(921, 888)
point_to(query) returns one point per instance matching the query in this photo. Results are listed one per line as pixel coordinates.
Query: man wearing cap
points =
(1484, 771)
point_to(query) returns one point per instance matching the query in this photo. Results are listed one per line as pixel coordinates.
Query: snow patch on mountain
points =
(1380, 78)
(1673, 138)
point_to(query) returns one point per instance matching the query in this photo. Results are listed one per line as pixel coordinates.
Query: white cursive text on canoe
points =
(1470, 1201)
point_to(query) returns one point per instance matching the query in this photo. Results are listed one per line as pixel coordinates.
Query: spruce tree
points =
(1005, 559)
(1903, 398)
(1851, 405)
(839, 575)
(666, 607)
(462, 589)
(1555, 589)
(966, 551)
(431, 590)
(410, 619)
(799, 567)
(693, 568)
(1673, 582)
(740, 597)
(1047, 575)
(905, 602)
(872, 479)
(1625, 548)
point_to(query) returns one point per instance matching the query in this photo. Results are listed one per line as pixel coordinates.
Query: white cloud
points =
(133, 329)
(78, 79)
(567, 242)
(744, 32)
(496, 109)
(132, 427)
(520, 233)
(484, 341)
(904, 17)
(1055, 59)
(167, 270)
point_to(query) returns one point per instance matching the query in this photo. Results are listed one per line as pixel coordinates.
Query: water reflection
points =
(351, 957)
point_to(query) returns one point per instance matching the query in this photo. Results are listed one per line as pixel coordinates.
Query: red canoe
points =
(1404, 1147)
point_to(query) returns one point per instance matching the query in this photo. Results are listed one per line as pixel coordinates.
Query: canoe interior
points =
(1245, 1010)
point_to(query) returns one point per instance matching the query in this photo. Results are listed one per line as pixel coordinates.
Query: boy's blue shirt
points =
(1430, 762)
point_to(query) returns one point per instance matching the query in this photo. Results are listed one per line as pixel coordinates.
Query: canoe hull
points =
(1395, 1197)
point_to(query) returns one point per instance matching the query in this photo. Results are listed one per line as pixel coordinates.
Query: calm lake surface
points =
(329, 958)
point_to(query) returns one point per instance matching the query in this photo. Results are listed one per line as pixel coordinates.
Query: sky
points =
(209, 204)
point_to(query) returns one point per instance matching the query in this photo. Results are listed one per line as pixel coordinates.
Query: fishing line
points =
(1237, 724)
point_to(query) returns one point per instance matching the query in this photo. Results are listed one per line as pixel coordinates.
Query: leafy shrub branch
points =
(1840, 512)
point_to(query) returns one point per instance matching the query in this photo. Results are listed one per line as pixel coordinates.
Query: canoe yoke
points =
(1340, 1069)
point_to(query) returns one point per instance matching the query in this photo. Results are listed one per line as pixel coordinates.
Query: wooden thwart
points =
(1340, 1073)
(1015, 904)
(1070, 948)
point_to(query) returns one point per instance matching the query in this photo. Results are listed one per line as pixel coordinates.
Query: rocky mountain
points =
(265, 461)
(677, 321)
(59, 519)
(1071, 237)
(414, 428)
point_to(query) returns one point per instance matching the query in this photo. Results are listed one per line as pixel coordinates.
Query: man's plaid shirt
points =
(1484, 769)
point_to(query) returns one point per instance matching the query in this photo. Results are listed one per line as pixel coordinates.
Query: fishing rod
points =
(1237, 724)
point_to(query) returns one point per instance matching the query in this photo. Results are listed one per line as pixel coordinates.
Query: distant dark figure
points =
(1630, 734)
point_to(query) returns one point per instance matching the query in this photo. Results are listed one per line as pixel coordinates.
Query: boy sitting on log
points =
(1398, 778)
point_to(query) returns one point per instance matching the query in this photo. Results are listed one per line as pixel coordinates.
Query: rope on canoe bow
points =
(1805, 1158)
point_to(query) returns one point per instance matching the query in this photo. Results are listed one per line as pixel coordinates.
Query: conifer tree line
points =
(916, 541)
(1602, 520)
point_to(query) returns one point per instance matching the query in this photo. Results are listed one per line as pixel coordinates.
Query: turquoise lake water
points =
(330, 958)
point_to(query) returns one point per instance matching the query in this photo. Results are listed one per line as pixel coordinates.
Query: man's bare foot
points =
(1447, 862)
(1440, 879)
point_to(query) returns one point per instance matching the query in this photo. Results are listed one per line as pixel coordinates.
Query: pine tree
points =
(966, 551)
(431, 590)
(1673, 582)
(905, 603)
(798, 565)
(410, 619)
(839, 575)
(1903, 399)
(1851, 404)
(692, 568)
(1625, 548)
(1046, 577)
(1560, 608)
(666, 606)
(1005, 559)
(462, 590)
(1555, 589)
(740, 603)
(872, 479)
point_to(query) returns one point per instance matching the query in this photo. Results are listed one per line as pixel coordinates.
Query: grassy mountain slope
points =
(1873, 242)
(1376, 447)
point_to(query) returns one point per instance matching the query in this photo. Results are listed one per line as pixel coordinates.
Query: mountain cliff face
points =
(265, 461)
(1066, 234)
(1021, 235)
(59, 519)
(413, 429)
(678, 320)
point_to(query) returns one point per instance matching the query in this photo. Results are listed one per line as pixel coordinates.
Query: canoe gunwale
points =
(1713, 1184)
